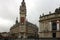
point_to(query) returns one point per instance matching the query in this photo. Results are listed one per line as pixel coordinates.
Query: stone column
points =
(57, 25)
(50, 25)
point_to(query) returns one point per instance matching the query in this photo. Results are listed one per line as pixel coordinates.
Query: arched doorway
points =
(21, 36)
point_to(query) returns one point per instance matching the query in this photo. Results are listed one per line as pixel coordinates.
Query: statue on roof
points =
(57, 10)
(16, 20)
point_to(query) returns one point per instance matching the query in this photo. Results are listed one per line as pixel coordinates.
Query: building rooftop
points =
(57, 11)
(28, 24)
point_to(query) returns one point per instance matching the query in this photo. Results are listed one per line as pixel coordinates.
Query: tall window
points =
(54, 26)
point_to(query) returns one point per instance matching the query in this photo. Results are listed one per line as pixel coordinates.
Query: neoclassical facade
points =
(23, 29)
(49, 25)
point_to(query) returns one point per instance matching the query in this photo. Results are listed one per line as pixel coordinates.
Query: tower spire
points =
(23, 0)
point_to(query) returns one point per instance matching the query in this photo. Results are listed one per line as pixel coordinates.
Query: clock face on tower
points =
(22, 20)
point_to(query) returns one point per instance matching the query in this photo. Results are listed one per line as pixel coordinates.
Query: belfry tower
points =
(23, 19)
(22, 13)
(24, 28)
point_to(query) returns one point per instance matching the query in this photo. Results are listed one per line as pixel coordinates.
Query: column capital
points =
(58, 21)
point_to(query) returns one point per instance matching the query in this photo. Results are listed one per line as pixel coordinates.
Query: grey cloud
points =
(9, 10)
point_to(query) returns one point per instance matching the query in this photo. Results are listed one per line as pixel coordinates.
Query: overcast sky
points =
(9, 10)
